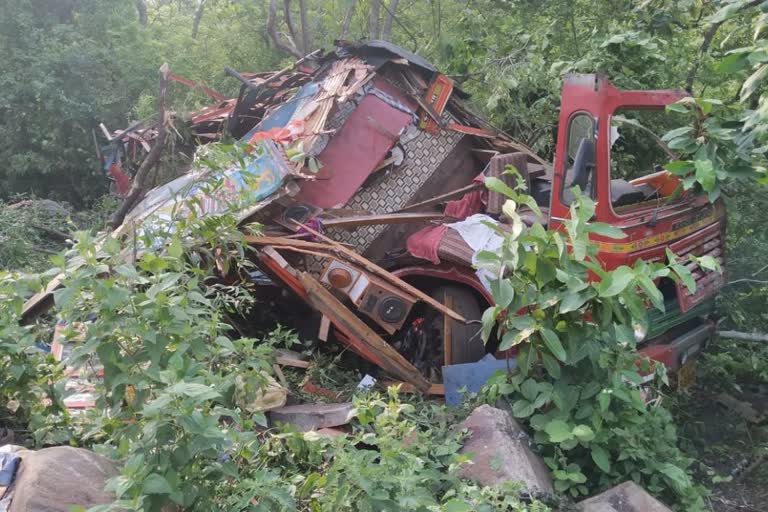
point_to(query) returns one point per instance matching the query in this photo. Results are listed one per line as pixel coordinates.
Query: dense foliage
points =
(170, 403)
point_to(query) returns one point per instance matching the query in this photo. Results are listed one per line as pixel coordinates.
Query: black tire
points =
(466, 344)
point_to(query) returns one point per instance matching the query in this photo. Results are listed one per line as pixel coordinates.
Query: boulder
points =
(626, 497)
(312, 416)
(500, 451)
(55, 479)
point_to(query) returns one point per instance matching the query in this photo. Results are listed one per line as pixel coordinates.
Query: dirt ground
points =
(731, 450)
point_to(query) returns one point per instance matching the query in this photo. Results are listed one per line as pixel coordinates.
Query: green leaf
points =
(156, 484)
(522, 409)
(685, 276)
(583, 433)
(677, 107)
(732, 63)
(455, 505)
(601, 458)
(679, 167)
(616, 281)
(729, 11)
(530, 389)
(551, 364)
(752, 83)
(603, 229)
(558, 431)
(552, 341)
(705, 174)
(657, 298)
(496, 185)
(512, 338)
(502, 292)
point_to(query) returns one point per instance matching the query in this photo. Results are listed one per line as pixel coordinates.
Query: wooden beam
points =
(441, 198)
(387, 218)
(387, 276)
(390, 359)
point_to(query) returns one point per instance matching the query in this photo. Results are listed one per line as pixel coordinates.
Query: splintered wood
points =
(330, 248)
(345, 320)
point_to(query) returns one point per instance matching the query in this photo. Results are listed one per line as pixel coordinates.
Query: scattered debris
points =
(259, 393)
(307, 417)
(626, 497)
(744, 409)
(499, 451)
(58, 478)
(470, 377)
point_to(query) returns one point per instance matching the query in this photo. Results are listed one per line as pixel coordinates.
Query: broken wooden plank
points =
(325, 327)
(280, 375)
(389, 358)
(384, 219)
(288, 361)
(388, 276)
(306, 417)
(434, 389)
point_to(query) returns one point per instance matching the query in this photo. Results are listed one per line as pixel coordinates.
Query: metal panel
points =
(354, 152)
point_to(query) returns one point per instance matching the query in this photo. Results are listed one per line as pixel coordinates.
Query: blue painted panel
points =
(471, 376)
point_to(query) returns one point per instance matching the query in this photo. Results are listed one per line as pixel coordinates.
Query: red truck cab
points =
(644, 205)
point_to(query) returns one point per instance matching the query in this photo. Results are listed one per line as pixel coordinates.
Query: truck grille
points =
(709, 243)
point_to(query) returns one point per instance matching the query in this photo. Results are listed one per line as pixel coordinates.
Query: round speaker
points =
(392, 309)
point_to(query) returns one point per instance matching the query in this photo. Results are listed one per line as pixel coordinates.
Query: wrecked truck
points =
(367, 176)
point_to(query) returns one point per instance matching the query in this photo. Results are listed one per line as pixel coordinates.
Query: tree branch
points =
(746, 336)
(347, 19)
(386, 31)
(289, 47)
(139, 183)
(289, 21)
(709, 34)
(197, 18)
(141, 8)
(305, 41)
(373, 19)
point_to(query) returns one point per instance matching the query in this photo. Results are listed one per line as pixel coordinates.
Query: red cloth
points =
(470, 204)
(424, 243)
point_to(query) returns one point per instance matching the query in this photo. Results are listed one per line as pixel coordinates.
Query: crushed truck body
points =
(366, 172)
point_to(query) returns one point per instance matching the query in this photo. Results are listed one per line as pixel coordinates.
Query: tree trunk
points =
(141, 8)
(305, 42)
(374, 13)
(709, 34)
(389, 17)
(139, 183)
(347, 19)
(197, 18)
(287, 47)
(289, 23)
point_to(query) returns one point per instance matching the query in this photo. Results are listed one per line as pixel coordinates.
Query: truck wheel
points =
(466, 346)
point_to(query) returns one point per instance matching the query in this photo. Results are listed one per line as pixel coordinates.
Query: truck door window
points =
(580, 159)
(637, 156)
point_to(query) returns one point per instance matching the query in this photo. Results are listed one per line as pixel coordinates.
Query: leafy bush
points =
(580, 377)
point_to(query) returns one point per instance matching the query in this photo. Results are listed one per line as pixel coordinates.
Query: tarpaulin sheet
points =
(354, 152)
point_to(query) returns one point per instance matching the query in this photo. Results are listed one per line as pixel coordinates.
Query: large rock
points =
(500, 451)
(55, 479)
(626, 497)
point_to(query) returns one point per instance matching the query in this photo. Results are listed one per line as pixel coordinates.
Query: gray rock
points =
(55, 479)
(626, 497)
(500, 452)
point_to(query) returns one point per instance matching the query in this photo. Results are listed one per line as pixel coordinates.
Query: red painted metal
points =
(354, 152)
(446, 272)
